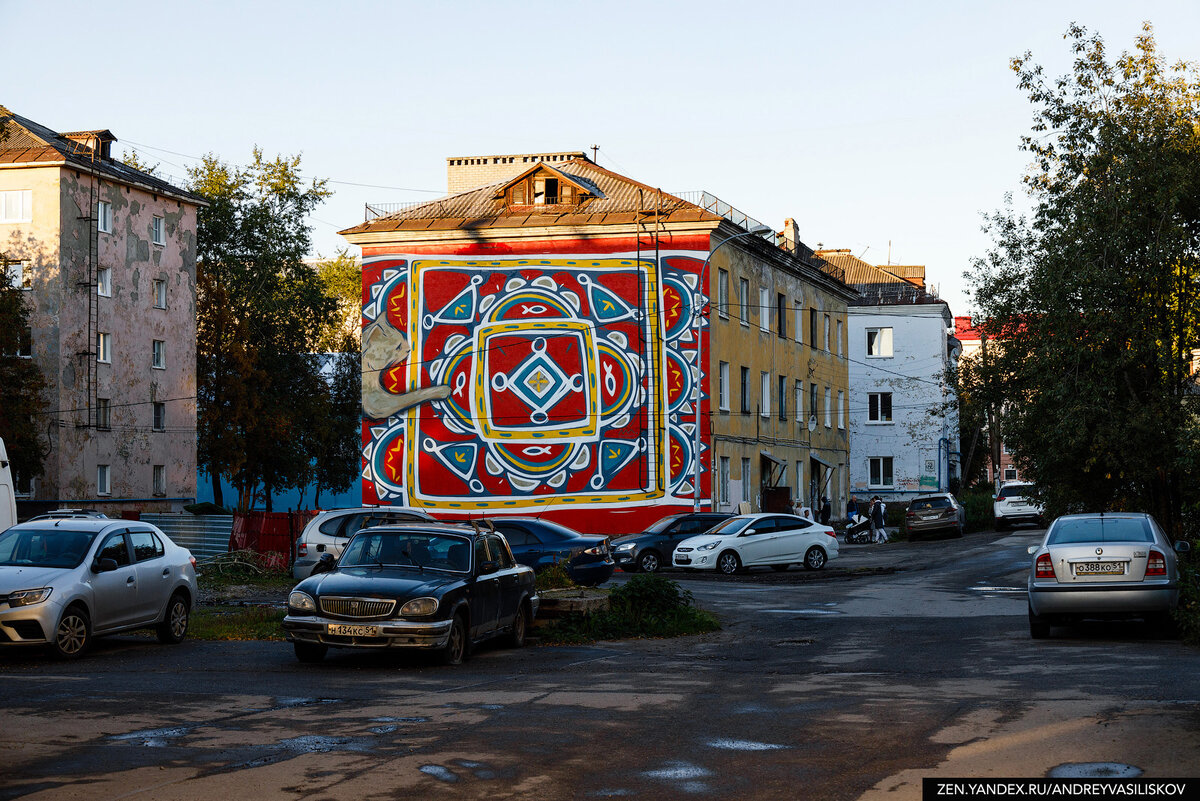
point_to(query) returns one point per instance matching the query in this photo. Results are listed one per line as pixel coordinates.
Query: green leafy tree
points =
(131, 159)
(22, 386)
(1093, 299)
(260, 307)
(342, 277)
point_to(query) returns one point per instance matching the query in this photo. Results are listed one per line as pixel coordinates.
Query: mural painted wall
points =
(560, 386)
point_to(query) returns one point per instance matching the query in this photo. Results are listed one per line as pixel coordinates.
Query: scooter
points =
(858, 532)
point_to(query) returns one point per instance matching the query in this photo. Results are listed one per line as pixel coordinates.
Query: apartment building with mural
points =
(546, 338)
(107, 254)
(904, 433)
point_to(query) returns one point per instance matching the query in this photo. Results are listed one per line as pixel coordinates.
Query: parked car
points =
(1014, 505)
(65, 581)
(650, 551)
(1111, 565)
(541, 543)
(424, 586)
(760, 539)
(931, 514)
(74, 514)
(330, 530)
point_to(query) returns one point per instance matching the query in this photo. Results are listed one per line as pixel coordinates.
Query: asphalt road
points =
(854, 683)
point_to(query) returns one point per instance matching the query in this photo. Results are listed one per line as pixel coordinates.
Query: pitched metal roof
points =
(31, 143)
(878, 285)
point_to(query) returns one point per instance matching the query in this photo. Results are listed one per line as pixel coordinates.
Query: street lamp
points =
(699, 314)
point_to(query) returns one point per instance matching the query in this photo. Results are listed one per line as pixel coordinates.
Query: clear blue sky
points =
(868, 123)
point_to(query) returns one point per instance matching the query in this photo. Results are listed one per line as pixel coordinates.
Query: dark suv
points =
(650, 550)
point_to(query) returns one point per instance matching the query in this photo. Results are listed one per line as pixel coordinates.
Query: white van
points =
(8, 497)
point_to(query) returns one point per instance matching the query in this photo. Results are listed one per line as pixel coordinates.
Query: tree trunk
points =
(218, 498)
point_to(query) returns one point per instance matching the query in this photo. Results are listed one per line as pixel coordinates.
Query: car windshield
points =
(1069, 530)
(1015, 491)
(54, 547)
(662, 525)
(375, 547)
(731, 526)
(927, 504)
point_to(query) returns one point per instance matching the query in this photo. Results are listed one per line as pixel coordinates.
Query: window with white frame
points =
(157, 233)
(782, 396)
(880, 472)
(828, 407)
(723, 490)
(160, 293)
(798, 401)
(840, 408)
(159, 355)
(723, 387)
(24, 343)
(744, 300)
(764, 397)
(20, 276)
(103, 413)
(764, 309)
(879, 407)
(799, 308)
(879, 342)
(799, 480)
(104, 217)
(723, 293)
(103, 487)
(1010, 474)
(745, 479)
(160, 416)
(845, 411)
(104, 282)
(160, 479)
(837, 343)
(104, 347)
(813, 411)
(16, 206)
(828, 342)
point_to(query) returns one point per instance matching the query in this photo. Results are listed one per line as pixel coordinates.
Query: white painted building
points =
(901, 346)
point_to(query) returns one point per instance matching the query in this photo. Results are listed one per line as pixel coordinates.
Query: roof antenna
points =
(595, 149)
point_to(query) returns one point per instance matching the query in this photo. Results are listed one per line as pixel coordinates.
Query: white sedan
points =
(762, 539)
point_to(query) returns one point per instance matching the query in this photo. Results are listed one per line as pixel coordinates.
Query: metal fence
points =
(204, 535)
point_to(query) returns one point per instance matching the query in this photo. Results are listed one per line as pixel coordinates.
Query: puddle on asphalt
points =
(440, 773)
(287, 703)
(998, 589)
(744, 745)
(677, 771)
(802, 611)
(152, 738)
(399, 720)
(1094, 770)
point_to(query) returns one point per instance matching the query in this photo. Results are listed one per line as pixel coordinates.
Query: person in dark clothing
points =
(878, 518)
(826, 511)
(851, 508)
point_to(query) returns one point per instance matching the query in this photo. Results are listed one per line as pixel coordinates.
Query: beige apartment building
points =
(108, 256)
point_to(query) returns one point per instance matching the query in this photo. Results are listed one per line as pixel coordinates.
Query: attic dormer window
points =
(540, 189)
(545, 191)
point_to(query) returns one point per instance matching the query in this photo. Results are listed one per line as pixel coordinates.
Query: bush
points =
(645, 606)
(554, 577)
(978, 505)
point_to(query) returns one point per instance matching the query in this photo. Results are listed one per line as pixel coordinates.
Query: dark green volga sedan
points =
(429, 586)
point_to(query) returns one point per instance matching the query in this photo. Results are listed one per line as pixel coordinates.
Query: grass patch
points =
(236, 623)
(554, 577)
(240, 568)
(645, 606)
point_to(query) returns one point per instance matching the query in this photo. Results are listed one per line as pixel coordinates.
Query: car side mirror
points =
(325, 564)
(104, 565)
(749, 531)
(1032, 549)
(487, 568)
(1183, 546)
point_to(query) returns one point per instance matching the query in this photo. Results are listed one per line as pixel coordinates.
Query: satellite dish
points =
(812, 422)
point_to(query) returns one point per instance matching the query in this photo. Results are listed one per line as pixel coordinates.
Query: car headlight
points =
(418, 607)
(708, 547)
(302, 602)
(28, 597)
(628, 546)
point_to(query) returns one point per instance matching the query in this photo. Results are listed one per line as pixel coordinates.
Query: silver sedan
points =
(1112, 565)
(63, 582)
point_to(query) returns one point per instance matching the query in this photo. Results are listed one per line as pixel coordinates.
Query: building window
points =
(723, 293)
(745, 390)
(160, 416)
(745, 479)
(764, 309)
(160, 293)
(837, 343)
(799, 481)
(812, 329)
(813, 411)
(157, 235)
(843, 410)
(828, 345)
(879, 407)
(880, 472)
(20, 276)
(103, 414)
(159, 355)
(724, 487)
(104, 282)
(828, 408)
(723, 387)
(782, 397)
(160, 479)
(104, 348)
(799, 321)
(102, 485)
(799, 401)
(104, 217)
(781, 314)
(1010, 474)
(24, 344)
(744, 300)
(16, 206)
(764, 396)
(879, 342)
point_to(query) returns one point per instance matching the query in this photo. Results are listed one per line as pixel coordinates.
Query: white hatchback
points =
(762, 539)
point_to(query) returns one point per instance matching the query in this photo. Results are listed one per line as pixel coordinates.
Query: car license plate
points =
(1100, 568)
(344, 630)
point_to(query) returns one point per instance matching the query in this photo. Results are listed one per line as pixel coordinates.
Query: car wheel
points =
(814, 558)
(780, 568)
(455, 651)
(649, 562)
(958, 532)
(310, 652)
(520, 627)
(1039, 627)
(729, 563)
(174, 625)
(73, 634)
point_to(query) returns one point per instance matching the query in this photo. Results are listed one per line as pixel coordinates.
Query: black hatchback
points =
(650, 551)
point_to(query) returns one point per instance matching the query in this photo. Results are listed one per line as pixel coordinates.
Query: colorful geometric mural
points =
(529, 384)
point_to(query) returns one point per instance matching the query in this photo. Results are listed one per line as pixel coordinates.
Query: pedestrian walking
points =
(878, 519)
(826, 511)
